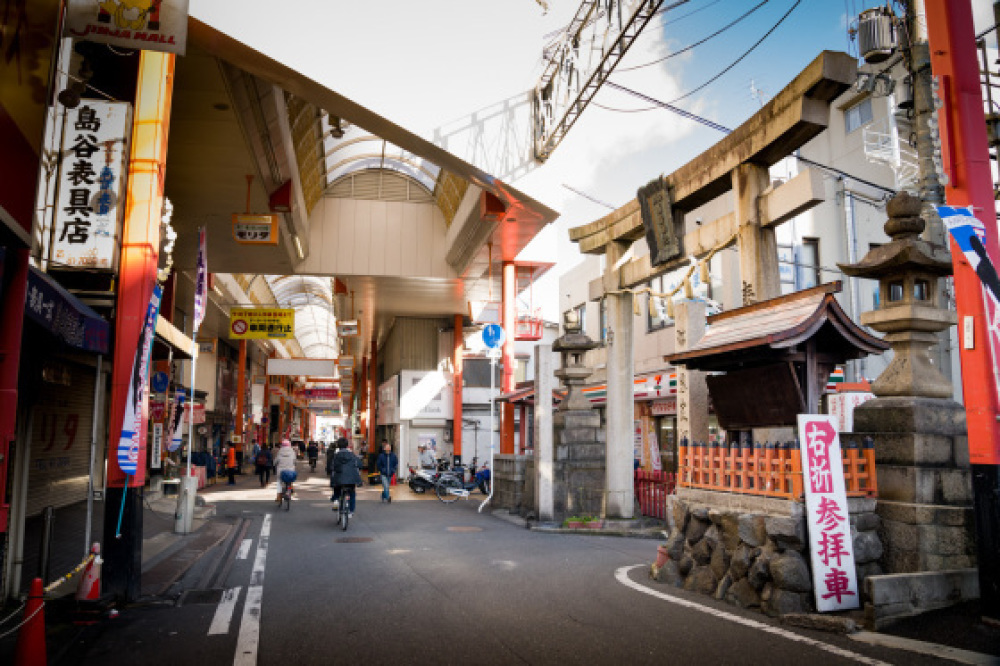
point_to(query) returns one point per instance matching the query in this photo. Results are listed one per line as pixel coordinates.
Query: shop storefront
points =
(416, 409)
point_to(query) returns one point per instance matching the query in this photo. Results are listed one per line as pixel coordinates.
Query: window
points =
(807, 267)
(656, 307)
(604, 319)
(858, 115)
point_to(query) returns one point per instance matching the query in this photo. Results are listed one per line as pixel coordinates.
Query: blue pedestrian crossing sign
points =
(493, 335)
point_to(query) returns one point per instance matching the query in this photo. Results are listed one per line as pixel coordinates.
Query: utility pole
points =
(965, 155)
(930, 187)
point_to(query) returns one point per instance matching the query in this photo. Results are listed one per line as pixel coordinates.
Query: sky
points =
(433, 65)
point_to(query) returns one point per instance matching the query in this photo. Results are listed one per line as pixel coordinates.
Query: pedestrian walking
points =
(387, 464)
(264, 462)
(231, 464)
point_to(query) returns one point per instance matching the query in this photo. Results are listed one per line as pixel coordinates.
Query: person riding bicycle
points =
(285, 466)
(345, 474)
(312, 452)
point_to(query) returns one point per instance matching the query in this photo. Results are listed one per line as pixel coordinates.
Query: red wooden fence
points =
(651, 490)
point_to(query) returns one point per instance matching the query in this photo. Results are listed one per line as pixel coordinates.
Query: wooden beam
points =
(793, 117)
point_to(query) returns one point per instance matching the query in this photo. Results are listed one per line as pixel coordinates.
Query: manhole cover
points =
(200, 597)
(354, 539)
(465, 529)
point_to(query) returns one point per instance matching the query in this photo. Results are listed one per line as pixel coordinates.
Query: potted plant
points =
(593, 523)
(574, 522)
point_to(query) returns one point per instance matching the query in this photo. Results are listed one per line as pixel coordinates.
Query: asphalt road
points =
(424, 582)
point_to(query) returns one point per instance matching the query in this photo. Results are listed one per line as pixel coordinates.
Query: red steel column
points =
(457, 363)
(363, 398)
(373, 396)
(509, 323)
(951, 38)
(13, 292)
(140, 241)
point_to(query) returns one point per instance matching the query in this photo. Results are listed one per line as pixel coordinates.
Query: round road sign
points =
(239, 326)
(493, 335)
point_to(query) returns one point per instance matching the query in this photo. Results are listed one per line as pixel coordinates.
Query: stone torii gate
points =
(739, 162)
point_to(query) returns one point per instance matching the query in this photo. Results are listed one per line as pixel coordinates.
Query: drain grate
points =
(192, 597)
(353, 539)
(465, 529)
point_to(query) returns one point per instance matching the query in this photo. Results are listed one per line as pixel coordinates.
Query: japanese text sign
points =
(261, 323)
(91, 171)
(255, 229)
(830, 544)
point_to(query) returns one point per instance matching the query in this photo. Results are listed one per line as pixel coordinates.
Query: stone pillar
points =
(692, 390)
(544, 383)
(621, 399)
(757, 245)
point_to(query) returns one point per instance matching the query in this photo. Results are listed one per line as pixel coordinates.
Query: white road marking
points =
(244, 551)
(933, 649)
(224, 612)
(249, 638)
(622, 576)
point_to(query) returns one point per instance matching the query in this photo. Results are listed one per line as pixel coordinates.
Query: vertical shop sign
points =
(157, 451)
(830, 545)
(133, 425)
(175, 421)
(88, 218)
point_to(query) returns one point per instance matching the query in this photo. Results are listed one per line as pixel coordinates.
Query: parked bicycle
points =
(460, 482)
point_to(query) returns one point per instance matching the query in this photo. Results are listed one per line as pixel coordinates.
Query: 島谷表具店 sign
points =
(88, 214)
(255, 229)
(261, 323)
(149, 25)
(831, 546)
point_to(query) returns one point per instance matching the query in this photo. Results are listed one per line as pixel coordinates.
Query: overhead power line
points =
(670, 107)
(744, 55)
(699, 42)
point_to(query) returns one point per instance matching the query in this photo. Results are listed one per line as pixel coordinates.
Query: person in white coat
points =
(284, 464)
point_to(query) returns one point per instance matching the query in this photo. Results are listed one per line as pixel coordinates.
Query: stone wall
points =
(753, 552)
(508, 482)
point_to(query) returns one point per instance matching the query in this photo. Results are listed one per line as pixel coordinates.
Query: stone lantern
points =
(572, 347)
(921, 447)
(908, 312)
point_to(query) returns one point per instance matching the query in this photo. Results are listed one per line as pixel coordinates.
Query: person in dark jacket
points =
(263, 463)
(386, 465)
(345, 474)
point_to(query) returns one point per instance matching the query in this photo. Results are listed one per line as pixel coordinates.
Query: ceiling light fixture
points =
(336, 130)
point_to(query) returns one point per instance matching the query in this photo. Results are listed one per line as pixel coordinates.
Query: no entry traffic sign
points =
(239, 326)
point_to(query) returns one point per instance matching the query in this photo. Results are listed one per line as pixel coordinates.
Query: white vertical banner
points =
(200, 282)
(87, 216)
(831, 547)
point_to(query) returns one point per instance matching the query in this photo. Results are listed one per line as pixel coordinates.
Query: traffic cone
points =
(30, 650)
(89, 588)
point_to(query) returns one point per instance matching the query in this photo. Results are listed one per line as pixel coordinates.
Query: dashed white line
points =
(249, 638)
(244, 550)
(622, 576)
(224, 612)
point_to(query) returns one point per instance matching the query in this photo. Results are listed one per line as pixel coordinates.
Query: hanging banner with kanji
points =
(831, 547)
(261, 323)
(133, 436)
(87, 217)
(150, 25)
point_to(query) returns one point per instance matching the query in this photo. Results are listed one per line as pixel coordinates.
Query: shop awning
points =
(63, 315)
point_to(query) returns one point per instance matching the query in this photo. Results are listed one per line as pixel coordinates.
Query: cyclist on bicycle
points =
(312, 452)
(344, 474)
(284, 464)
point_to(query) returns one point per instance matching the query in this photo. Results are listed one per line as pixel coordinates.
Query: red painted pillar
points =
(137, 273)
(457, 363)
(509, 323)
(966, 159)
(12, 294)
(363, 398)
